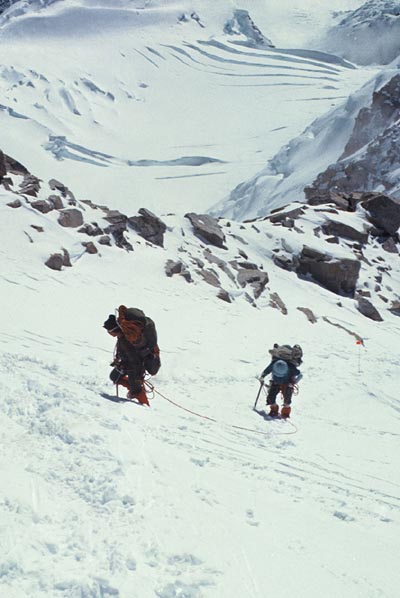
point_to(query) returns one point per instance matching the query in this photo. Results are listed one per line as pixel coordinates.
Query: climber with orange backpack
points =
(284, 376)
(136, 351)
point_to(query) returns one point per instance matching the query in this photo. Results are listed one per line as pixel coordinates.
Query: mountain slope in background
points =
(368, 35)
(148, 102)
(327, 140)
(352, 148)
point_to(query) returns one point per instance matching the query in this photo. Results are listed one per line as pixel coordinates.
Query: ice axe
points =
(258, 394)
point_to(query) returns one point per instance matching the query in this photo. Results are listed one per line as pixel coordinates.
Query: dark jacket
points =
(293, 370)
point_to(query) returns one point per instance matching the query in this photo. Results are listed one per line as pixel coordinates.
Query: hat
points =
(111, 324)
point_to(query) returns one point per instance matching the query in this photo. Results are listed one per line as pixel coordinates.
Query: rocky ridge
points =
(368, 35)
(348, 244)
(370, 159)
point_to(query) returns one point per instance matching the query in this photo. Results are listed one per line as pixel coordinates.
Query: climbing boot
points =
(274, 410)
(285, 411)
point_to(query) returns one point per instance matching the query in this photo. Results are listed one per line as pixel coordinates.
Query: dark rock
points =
(115, 217)
(309, 314)
(90, 247)
(284, 262)
(207, 229)
(362, 293)
(16, 203)
(55, 261)
(224, 295)
(42, 206)
(3, 167)
(15, 167)
(66, 259)
(384, 212)
(390, 246)
(63, 189)
(366, 308)
(177, 267)
(7, 182)
(344, 231)
(149, 226)
(117, 231)
(104, 240)
(337, 275)
(172, 268)
(395, 308)
(277, 303)
(332, 240)
(256, 278)
(213, 259)
(56, 202)
(92, 230)
(39, 229)
(70, 218)
(282, 216)
(344, 201)
(210, 276)
(30, 185)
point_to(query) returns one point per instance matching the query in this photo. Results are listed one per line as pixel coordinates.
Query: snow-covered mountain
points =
(121, 123)
(142, 101)
(352, 147)
(359, 133)
(368, 35)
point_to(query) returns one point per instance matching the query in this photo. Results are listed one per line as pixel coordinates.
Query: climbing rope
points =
(218, 422)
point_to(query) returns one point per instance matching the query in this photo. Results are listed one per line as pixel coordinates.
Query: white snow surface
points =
(125, 100)
(197, 496)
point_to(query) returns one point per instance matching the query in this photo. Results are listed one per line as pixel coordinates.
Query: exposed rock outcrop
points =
(149, 226)
(207, 229)
(337, 275)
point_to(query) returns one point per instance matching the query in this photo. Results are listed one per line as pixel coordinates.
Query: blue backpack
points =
(280, 372)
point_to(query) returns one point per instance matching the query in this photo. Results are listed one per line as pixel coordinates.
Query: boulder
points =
(55, 261)
(30, 185)
(335, 274)
(344, 231)
(366, 308)
(90, 247)
(70, 218)
(42, 206)
(395, 308)
(56, 202)
(104, 240)
(383, 211)
(16, 203)
(149, 226)
(207, 229)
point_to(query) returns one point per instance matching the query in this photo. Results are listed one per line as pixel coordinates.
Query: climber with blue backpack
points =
(284, 376)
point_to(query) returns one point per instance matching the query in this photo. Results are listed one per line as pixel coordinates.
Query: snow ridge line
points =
(295, 429)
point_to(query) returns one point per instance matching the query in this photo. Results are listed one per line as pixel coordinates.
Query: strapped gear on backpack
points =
(138, 329)
(287, 353)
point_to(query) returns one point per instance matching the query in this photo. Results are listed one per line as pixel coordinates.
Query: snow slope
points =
(198, 496)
